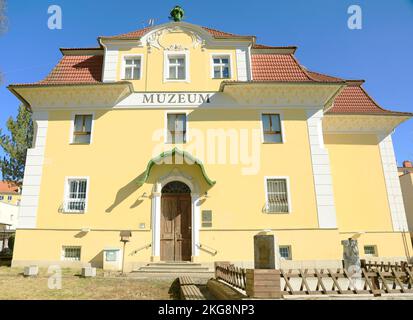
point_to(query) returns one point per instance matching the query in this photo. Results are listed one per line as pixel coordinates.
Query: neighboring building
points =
(267, 144)
(8, 222)
(9, 211)
(406, 181)
(9, 193)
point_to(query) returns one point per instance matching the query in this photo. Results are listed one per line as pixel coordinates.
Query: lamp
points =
(125, 238)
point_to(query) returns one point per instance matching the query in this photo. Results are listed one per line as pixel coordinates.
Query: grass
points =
(13, 286)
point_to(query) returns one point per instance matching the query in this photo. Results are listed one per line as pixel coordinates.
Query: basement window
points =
(71, 253)
(370, 251)
(285, 252)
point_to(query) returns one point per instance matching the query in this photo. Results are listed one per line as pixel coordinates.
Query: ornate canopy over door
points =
(176, 222)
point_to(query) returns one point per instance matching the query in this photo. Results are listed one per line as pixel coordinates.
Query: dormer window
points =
(176, 66)
(221, 67)
(132, 68)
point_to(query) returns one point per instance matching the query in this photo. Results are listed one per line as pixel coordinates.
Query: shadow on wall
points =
(125, 192)
(97, 261)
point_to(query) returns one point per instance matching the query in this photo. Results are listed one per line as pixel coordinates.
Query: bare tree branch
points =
(3, 17)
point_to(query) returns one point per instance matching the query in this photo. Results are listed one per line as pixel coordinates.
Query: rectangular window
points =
(271, 125)
(285, 252)
(71, 253)
(9, 198)
(112, 255)
(132, 68)
(176, 130)
(370, 251)
(206, 219)
(76, 196)
(221, 67)
(1, 198)
(176, 67)
(82, 130)
(277, 196)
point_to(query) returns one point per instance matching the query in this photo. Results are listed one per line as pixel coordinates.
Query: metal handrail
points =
(212, 251)
(140, 249)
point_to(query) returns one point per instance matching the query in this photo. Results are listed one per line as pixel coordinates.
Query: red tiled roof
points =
(8, 187)
(141, 32)
(353, 99)
(76, 69)
(276, 67)
(284, 67)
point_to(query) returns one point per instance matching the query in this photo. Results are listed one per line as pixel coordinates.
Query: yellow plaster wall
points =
(358, 182)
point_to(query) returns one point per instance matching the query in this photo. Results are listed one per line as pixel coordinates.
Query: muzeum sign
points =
(174, 98)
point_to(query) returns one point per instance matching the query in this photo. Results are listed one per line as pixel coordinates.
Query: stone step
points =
(173, 265)
(174, 270)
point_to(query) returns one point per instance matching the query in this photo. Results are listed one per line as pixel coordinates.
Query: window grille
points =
(71, 253)
(370, 251)
(76, 197)
(285, 252)
(277, 196)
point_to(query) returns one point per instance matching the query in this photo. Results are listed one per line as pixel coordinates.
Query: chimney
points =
(407, 164)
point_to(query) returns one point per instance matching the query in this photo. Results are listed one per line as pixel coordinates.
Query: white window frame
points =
(281, 114)
(167, 54)
(230, 66)
(290, 255)
(186, 112)
(66, 194)
(62, 256)
(72, 126)
(289, 194)
(123, 70)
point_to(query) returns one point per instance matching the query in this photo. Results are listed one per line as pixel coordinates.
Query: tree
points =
(15, 146)
(177, 14)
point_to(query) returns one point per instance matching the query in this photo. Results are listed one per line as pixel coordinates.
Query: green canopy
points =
(186, 155)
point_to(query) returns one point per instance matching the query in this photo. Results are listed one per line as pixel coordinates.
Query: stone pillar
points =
(264, 281)
(156, 223)
(351, 255)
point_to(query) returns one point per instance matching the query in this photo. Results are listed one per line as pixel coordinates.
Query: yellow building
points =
(9, 193)
(406, 182)
(195, 140)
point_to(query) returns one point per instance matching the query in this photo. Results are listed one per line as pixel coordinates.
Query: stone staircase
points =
(174, 268)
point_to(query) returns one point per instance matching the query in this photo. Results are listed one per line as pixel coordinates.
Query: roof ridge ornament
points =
(177, 14)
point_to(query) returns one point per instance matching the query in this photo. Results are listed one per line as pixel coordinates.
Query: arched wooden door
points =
(176, 222)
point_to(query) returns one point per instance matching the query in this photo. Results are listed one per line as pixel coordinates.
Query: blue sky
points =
(380, 53)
